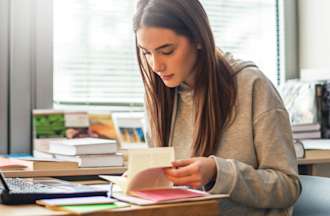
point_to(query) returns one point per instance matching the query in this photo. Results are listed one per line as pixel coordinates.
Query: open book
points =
(145, 183)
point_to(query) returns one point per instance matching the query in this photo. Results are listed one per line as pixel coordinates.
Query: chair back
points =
(315, 197)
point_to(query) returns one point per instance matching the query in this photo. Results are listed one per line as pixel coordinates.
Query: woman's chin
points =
(171, 84)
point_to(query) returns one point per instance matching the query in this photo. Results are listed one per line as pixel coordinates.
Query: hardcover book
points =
(83, 146)
(94, 160)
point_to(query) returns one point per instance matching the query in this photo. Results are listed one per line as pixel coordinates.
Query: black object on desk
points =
(25, 191)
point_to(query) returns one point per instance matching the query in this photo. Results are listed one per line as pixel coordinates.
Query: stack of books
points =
(307, 131)
(307, 102)
(30, 163)
(88, 152)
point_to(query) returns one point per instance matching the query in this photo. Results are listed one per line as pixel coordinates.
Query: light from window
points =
(94, 50)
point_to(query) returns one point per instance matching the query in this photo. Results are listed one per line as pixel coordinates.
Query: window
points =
(94, 50)
(249, 30)
(94, 53)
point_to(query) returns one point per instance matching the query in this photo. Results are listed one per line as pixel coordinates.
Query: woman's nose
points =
(158, 65)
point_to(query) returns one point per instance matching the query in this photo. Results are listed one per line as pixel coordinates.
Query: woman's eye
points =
(167, 52)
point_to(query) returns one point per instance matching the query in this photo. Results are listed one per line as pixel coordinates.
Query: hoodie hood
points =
(237, 64)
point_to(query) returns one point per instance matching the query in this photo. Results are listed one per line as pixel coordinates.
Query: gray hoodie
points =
(256, 162)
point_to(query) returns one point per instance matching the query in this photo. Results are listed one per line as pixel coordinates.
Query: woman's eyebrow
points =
(158, 48)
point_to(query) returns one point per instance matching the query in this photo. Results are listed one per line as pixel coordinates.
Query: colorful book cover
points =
(102, 126)
(130, 130)
(48, 124)
(85, 208)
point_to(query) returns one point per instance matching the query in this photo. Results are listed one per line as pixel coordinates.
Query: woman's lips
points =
(167, 77)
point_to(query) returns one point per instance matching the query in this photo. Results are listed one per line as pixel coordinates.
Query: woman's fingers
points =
(194, 172)
(187, 180)
(180, 172)
(185, 175)
(181, 163)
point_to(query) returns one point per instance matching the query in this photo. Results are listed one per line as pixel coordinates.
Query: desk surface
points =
(315, 157)
(205, 208)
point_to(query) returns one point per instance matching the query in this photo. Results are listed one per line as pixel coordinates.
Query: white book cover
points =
(307, 135)
(306, 127)
(94, 160)
(41, 154)
(75, 201)
(83, 146)
(320, 144)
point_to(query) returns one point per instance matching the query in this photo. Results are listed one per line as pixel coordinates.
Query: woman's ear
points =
(199, 46)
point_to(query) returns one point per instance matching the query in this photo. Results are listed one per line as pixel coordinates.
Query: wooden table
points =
(316, 162)
(197, 208)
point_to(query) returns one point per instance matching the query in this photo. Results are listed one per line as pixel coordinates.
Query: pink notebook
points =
(166, 194)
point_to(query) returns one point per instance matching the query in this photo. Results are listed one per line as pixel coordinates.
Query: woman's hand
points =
(194, 172)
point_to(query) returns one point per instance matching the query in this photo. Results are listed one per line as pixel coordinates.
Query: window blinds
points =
(248, 29)
(94, 50)
(94, 53)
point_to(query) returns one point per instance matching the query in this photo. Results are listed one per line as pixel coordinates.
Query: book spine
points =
(318, 98)
(312, 135)
(326, 110)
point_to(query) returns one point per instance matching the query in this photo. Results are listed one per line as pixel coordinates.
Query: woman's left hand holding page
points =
(194, 172)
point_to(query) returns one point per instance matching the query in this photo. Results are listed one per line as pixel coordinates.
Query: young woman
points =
(225, 120)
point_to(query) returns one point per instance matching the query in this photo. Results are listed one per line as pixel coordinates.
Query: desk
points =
(316, 163)
(198, 208)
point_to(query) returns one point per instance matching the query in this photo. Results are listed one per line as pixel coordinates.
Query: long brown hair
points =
(214, 87)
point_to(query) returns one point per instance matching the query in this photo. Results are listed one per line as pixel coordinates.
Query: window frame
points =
(25, 69)
(4, 64)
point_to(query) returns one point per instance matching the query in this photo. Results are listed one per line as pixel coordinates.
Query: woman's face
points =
(171, 56)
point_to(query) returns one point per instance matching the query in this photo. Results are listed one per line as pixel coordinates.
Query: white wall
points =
(314, 38)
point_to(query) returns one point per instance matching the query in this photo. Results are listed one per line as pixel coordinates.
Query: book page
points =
(149, 179)
(142, 159)
(166, 194)
(75, 201)
(145, 169)
(120, 181)
(145, 202)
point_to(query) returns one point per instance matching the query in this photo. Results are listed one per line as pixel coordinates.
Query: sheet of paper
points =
(322, 144)
(166, 194)
(145, 169)
(91, 207)
(120, 181)
(75, 201)
(149, 179)
(141, 159)
(142, 202)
